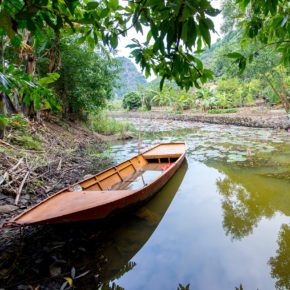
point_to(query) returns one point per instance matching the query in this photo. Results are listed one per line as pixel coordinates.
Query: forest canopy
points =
(50, 47)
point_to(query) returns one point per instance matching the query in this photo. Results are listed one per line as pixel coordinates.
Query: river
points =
(222, 221)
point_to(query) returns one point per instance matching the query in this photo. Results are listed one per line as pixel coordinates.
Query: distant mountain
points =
(130, 77)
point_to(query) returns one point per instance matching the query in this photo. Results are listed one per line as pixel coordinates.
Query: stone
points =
(8, 208)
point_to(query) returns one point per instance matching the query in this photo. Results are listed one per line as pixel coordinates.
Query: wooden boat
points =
(115, 189)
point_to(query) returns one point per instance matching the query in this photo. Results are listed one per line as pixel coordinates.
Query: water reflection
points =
(129, 238)
(247, 197)
(280, 265)
(101, 251)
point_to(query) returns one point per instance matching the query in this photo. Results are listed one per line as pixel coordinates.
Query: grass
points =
(220, 111)
(172, 112)
(195, 110)
(103, 124)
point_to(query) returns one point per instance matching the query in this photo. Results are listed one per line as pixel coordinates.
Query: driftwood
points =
(20, 188)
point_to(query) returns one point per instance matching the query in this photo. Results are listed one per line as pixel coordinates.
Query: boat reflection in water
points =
(102, 252)
(125, 242)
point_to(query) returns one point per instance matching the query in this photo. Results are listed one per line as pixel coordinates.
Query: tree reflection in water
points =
(242, 210)
(280, 265)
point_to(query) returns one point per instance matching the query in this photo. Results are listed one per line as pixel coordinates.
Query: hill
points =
(130, 77)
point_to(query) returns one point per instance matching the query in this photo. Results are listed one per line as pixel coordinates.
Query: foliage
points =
(263, 23)
(15, 81)
(281, 262)
(175, 28)
(86, 78)
(17, 122)
(148, 95)
(171, 95)
(103, 124)
(195, 110)
(132, 100)
(27, 142)
(173, 112)
(220, 111)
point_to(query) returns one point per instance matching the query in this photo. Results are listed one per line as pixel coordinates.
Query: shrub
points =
(220, 111)
(195, 110)
(172, 112)
(103, 124)
(131, 101)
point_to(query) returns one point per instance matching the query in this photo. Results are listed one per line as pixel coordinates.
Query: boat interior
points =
(134, 173)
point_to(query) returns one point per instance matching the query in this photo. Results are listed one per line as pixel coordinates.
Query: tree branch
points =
(137, 18)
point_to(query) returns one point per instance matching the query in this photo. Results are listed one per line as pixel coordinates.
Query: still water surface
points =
(221, 221)
(228, 222)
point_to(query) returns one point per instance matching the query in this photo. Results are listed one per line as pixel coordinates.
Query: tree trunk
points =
(9, 105)
(282, 97)
(2, 125)
(28, 110)
(54, 57)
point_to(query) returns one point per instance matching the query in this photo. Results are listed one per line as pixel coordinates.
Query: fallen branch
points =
(20, 188)
(15, 166)
(59, 165)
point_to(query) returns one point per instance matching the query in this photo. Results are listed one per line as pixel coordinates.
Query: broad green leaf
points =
(114, 4)
(114, 41)
(51, 78)
(204, 30)
(92, 5)
(234, 55)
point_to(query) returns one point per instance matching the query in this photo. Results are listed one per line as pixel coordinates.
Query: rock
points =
(8, 208)
(88, 176)
(54, 270)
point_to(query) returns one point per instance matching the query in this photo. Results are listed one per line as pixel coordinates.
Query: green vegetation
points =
(103, 124)
(132, 101)
(58, 54)
(173, 112)
(219, 111)
(23, 135)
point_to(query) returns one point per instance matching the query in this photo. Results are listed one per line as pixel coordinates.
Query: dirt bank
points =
(249, 117)
(37, 160)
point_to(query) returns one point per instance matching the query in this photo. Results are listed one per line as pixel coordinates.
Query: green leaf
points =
(242, 65)
(234, 55)
(204, 31)
(16, 41)
(81, 40)
(184, 31)
(161, 83)
(92, 5)
(114, 4)
(51, 78)
(114, 41)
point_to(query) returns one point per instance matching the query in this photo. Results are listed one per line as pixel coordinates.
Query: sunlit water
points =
(223, 220)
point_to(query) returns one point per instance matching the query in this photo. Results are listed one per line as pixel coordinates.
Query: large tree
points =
(176, 28)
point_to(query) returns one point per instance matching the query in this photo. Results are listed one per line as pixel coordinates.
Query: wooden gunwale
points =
(149, 189)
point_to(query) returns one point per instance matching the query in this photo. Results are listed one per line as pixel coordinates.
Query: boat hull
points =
(113, 202)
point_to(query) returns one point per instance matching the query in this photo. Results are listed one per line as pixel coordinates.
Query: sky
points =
(124, 41)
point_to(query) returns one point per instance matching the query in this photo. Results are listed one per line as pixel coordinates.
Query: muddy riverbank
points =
(247, 117)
